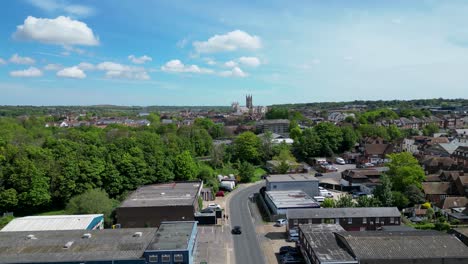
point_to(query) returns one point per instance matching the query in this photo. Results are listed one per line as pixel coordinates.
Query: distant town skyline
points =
(65, 52)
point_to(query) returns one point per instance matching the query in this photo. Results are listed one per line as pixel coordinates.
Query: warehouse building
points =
(150, 205)
(351, 219)
(288, 182)
(174, 242)
(56, 222)
(280, 201)
(326, 244)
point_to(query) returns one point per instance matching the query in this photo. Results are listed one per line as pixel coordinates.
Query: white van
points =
(340, 161)
(319, 198)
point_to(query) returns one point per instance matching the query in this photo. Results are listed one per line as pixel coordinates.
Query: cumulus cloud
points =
(235, 72)
(230, 64)
(117, 70)
(30, 72)
(61, 30)
(139, 60)
(85, 66)
(52, 67)
(61, 6)
(2, 61)
(249, 61)
(231, 41)
(178, 66)
(17, 59)
(72, 72)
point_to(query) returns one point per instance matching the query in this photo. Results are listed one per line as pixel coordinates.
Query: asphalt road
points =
(246, 246)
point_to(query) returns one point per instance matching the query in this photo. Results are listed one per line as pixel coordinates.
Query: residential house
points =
(437, 191)
(376, 153)
(452, 202)
(460, 155)
(444, 149)
(433, 164)
(363, 179)
(461, 183)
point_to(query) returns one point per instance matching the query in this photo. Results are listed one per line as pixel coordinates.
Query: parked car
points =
(368, 165)
(207, 211)
(236, 230)
(321, 188)
(340, 161)
(214, 206)
(318, 174)
(220, 194)
(292, 260)
(281, 222)
(319, 198)
(287, 249)
(326, 194)
(358, 194)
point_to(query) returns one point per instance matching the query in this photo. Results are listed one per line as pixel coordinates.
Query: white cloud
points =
(117, 70)
(182, 43)
(85, 66)
(53, 67)
(61, 6)
(209, 61)
(61, 30)
(235, 72)
(2, 61)
(69, 49)
(139, 60)
(249, 61)
(30, 72)
(178, 66)
(230, 64)
(21, 60)
(230, 41)
(72, 72)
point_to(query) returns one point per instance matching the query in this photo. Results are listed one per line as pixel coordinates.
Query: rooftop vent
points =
(68, 244)
(137, 234)
(31, 237)
(87, 235)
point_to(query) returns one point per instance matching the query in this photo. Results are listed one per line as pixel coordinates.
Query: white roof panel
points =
(51, 222)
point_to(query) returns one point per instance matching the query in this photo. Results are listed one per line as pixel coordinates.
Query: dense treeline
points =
(42, 168)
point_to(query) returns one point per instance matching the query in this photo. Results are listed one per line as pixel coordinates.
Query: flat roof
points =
(352, 212)
(48, 246)
(404, 245)
(53, 222)
(165, 194)
(323, 242)
(300, 177)
(173, 236)
(291, 199)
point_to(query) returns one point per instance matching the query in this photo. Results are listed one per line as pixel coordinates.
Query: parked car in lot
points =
(340, 161)
(318, 174)
(214, 206)
(236, 230)
(319, 198)
(281, 222)
(326, 194)
(207, 211)
(369, 165)
(220, 194)
(292, 259)
(287, 249)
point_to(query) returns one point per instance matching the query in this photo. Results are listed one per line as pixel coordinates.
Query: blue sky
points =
(64, 52)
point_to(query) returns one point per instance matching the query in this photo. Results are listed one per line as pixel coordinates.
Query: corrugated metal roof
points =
(51, 222)
(343, 212)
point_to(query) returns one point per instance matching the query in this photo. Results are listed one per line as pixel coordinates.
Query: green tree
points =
(414, 195)
(295, 133)
(404, 170)
(349, 138)
(366, 201)
(328, 203)
(185, 167)
(247, 147)
(246, 171)
(9, 200)
(93, 201)
(345, 200)
(308, 145)
(330, 137)
(400, 200)
(277, 113)
(394, 132)
(383, 192)
(430, 130)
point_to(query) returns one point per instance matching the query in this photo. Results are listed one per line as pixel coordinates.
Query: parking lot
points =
(214, 245)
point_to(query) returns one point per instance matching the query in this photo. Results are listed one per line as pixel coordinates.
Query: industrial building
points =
(56, 222)
(174, 242)
(277, 126)
(351, 219)
(150, 205)
(280, 201)
(288, 182)
(326, 244)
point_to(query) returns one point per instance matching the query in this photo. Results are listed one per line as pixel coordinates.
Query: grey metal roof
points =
(291, 199)
(107, 244)
(323, 242)
(343, 212)
(291, 177)
(404, 245)
(172, 236)
(166, 194)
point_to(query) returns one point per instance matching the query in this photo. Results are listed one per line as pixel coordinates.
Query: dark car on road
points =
(318, 174)
(236, 230)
